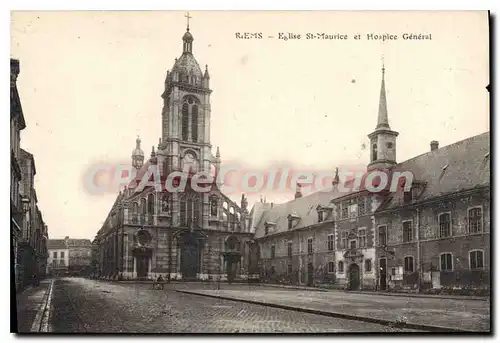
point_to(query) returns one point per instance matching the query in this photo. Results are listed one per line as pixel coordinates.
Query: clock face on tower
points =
(189, 162)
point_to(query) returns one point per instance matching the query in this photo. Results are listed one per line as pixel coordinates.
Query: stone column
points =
(135, 268)
(178, 269)
(150, 260)
(126, 254)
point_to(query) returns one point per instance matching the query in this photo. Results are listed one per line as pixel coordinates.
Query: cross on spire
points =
(188, 17)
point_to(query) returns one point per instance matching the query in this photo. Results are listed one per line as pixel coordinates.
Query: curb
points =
(40, 324)
(423, 327)
(429, 296)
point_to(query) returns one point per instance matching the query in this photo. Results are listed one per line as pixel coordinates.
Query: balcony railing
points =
(141, 219)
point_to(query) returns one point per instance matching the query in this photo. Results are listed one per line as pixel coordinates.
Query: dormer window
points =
(292, 220)
(267, 225)
(320, 216)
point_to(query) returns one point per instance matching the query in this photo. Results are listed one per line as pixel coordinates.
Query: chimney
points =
(298, 191)
(434, 145)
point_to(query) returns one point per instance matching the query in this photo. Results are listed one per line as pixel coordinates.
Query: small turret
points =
(206, 78)
(137, 154)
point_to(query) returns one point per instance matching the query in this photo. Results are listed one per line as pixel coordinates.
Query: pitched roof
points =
(453, 168)
(304, 208)
(56, 244)
(73, 242)
(467, 166)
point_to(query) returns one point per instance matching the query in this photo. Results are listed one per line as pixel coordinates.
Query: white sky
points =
(91, 81)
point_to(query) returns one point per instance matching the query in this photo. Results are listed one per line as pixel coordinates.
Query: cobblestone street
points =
(82, 305)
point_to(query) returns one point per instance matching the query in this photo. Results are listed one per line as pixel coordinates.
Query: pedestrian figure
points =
(160, 282)
(35, 281)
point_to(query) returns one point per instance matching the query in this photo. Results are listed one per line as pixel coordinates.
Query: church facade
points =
(178, 234)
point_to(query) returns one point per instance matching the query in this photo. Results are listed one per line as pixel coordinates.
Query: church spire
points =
(383, 139)
(383, 120)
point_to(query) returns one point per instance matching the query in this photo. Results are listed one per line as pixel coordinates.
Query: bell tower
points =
(383, 139)
(186, 112)
(185, 143)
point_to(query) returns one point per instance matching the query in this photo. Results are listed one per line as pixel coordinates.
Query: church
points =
(184, 235)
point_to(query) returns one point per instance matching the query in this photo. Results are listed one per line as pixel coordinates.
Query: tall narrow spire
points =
(383, 120)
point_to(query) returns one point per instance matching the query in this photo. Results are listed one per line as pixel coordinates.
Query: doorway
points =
(383, 274)
(310, 275)
(189, 256)
(142, 266)
(354, 277)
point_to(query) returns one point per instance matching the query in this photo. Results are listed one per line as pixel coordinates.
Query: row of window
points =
(352, 208)
(474, 221)
(476, 261)
(331, 267)
(54, 254)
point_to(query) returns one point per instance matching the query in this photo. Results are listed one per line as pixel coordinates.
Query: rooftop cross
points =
(188, 17)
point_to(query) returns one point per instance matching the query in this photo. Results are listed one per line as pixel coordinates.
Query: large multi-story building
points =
(17, 124)
(30, 233)
(433, 234)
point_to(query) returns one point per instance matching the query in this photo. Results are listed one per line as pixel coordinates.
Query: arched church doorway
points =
(354, 281)
(190, 256)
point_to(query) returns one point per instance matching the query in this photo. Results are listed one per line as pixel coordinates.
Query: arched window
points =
(143, 206)
(185, 121)
(341, 267)
(374, 151)
(190, 107)
(151, 203)
(189, 211)
(135, 208)
(194, 123)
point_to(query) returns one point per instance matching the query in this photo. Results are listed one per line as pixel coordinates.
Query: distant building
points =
(58, 261)
(69, 255)
(80, 255)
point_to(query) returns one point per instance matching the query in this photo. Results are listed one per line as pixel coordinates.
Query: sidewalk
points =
(428, 314)
(29, 303)
(396, 294)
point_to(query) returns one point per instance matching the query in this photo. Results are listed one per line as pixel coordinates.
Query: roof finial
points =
(336, 179)
(188, 17)
(383, 121)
